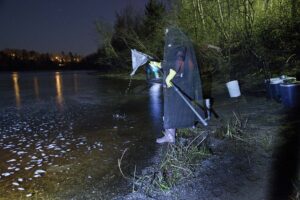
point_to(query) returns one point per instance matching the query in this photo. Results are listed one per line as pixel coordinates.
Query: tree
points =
(133, 31)
(153, 26)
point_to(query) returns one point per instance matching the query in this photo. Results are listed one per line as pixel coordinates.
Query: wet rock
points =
(15, 184)
(5, 174)
(39, 171)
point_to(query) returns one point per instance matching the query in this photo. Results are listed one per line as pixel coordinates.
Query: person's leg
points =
(169, 136)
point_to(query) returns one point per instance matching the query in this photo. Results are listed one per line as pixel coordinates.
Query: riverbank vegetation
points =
(238, 156)
(255, 36)
(259, 37)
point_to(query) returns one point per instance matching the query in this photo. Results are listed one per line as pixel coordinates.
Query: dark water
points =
(61, 133)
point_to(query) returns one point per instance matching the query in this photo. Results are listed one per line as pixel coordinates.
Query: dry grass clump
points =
(234, 128)
(296, 194)
(178, 163)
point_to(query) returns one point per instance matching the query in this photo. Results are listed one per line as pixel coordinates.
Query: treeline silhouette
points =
(23, 60)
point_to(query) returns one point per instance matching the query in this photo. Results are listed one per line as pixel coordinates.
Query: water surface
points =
(61, 133)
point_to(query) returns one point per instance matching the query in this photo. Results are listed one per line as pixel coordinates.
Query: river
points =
(62, 133)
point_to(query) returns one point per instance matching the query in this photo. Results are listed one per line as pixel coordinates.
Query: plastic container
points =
(289, 79)
(233, 88)
(273, 86)
(290, 94)
(275, 89)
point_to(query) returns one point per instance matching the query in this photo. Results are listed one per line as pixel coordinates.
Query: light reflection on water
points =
(58, 82)
(36, 88)
(15, 78)
(155, 100)
(78, 131)
(59, 90)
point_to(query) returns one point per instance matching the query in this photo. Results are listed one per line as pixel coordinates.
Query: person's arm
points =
(155, 64)
(179, 64)
(171, 75)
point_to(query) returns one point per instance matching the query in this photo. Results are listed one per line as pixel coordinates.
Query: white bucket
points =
(233, 88)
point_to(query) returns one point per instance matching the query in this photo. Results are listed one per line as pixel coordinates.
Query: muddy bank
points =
(63, 139)
(260, 161)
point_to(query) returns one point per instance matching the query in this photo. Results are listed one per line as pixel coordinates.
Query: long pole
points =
(189, 104)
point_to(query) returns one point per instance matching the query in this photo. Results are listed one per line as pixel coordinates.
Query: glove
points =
(169, 78)
(155, 64)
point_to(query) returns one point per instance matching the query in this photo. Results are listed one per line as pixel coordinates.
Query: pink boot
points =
(169, 137)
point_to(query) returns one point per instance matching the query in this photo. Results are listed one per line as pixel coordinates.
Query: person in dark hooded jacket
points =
(180, 68)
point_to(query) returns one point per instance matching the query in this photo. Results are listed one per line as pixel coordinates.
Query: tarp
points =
(179, 55)
(138, 59)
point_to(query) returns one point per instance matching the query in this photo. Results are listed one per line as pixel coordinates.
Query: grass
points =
(181, 160)
(185, 132)
(234, 128)
(120, 163)
(266, 142)
(296, 193)
(177, 164)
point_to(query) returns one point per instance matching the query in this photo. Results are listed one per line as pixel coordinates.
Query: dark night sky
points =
(57, 25)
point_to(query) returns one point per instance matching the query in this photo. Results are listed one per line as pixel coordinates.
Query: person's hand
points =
(169, 78)
(155, 64)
